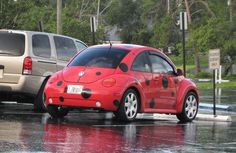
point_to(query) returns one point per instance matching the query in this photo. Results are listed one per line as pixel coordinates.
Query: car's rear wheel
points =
(190, 108)
(129, 106)
(57, 111)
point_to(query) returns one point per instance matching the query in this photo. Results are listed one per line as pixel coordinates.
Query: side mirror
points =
(179, 72)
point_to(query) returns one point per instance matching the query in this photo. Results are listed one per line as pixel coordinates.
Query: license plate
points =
(74, 89)
(1, 73)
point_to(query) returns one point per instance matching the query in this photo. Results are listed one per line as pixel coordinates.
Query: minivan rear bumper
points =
(27, 85)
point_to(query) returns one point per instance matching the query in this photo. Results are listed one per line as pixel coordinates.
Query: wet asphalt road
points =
(22, 130)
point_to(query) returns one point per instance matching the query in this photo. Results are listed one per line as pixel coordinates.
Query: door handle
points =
(47, 62)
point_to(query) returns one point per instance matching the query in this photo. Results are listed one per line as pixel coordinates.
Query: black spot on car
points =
(59, 83)
(123, 67)
(86, 93)
(116, 103)
(61, 99)
(147, 82)
(172, 93)
(165, 82)
(98, 73)
(152, 103)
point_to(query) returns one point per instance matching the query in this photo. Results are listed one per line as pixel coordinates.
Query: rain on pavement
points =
(22, 130)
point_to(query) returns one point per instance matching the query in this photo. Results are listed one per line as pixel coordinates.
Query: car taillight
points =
(108, 82)
(27, 66)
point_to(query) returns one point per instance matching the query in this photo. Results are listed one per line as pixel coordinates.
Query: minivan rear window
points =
(12, 44)
(100, 57)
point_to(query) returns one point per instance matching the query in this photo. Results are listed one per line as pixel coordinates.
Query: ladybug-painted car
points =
(125, 79)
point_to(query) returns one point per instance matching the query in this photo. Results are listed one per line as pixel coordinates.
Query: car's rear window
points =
(100, 57)
(12, 44)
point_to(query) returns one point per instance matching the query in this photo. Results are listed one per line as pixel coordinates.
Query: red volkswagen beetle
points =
(125, 79)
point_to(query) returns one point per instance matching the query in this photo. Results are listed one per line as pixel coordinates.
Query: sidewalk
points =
(223, 112)
(204, 114)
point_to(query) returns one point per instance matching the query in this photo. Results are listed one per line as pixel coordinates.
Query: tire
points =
(129, 106)
(57, 111)
(190, 108)
(39, 105)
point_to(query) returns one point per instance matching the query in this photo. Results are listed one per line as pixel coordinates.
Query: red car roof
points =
(126, 46)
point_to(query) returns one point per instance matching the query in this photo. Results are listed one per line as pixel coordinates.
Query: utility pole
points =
(59, 21)
(98, 11)
(188, 11)
(1, 6)
(183, 27)
(230, 10)
(168, 7)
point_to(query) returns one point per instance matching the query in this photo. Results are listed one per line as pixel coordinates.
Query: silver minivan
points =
(28, 59)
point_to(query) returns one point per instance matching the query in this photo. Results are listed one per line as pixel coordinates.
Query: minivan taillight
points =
(27, 66)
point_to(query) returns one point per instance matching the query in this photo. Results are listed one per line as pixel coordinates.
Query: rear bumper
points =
(81, 103)
(101, 97)
(27, 84)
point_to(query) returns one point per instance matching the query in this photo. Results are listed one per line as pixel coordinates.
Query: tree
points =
(75, 16)
(10, 12)
(165, 33)
(125, 14)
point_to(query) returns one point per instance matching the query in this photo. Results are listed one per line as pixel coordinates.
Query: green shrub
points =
(203, 75)
(231, 77)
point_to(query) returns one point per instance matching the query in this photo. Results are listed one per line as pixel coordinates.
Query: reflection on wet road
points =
(22, 130)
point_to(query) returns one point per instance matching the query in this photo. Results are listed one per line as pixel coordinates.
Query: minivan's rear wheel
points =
(39, 103)
(129, 106)
(57, 111)
(190, 108)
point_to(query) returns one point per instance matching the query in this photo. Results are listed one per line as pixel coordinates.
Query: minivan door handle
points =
(46, 62)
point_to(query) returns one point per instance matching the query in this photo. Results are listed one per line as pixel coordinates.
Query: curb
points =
(207, 117)
(218, 107)
(199, 117)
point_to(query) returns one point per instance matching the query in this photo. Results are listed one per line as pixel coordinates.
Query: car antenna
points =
(110, 44)
(109, 48)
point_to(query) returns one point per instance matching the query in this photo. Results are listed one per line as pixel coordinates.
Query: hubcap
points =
(131, 105)
(191, 107)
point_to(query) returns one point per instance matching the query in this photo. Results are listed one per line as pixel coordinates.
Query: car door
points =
(141, 70)
(44, 62)
(163, 87)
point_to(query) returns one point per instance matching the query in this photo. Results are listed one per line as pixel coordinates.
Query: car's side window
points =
(160, 65)
(41, 45)
(80, 45)
(141, 63)
(65, 48)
